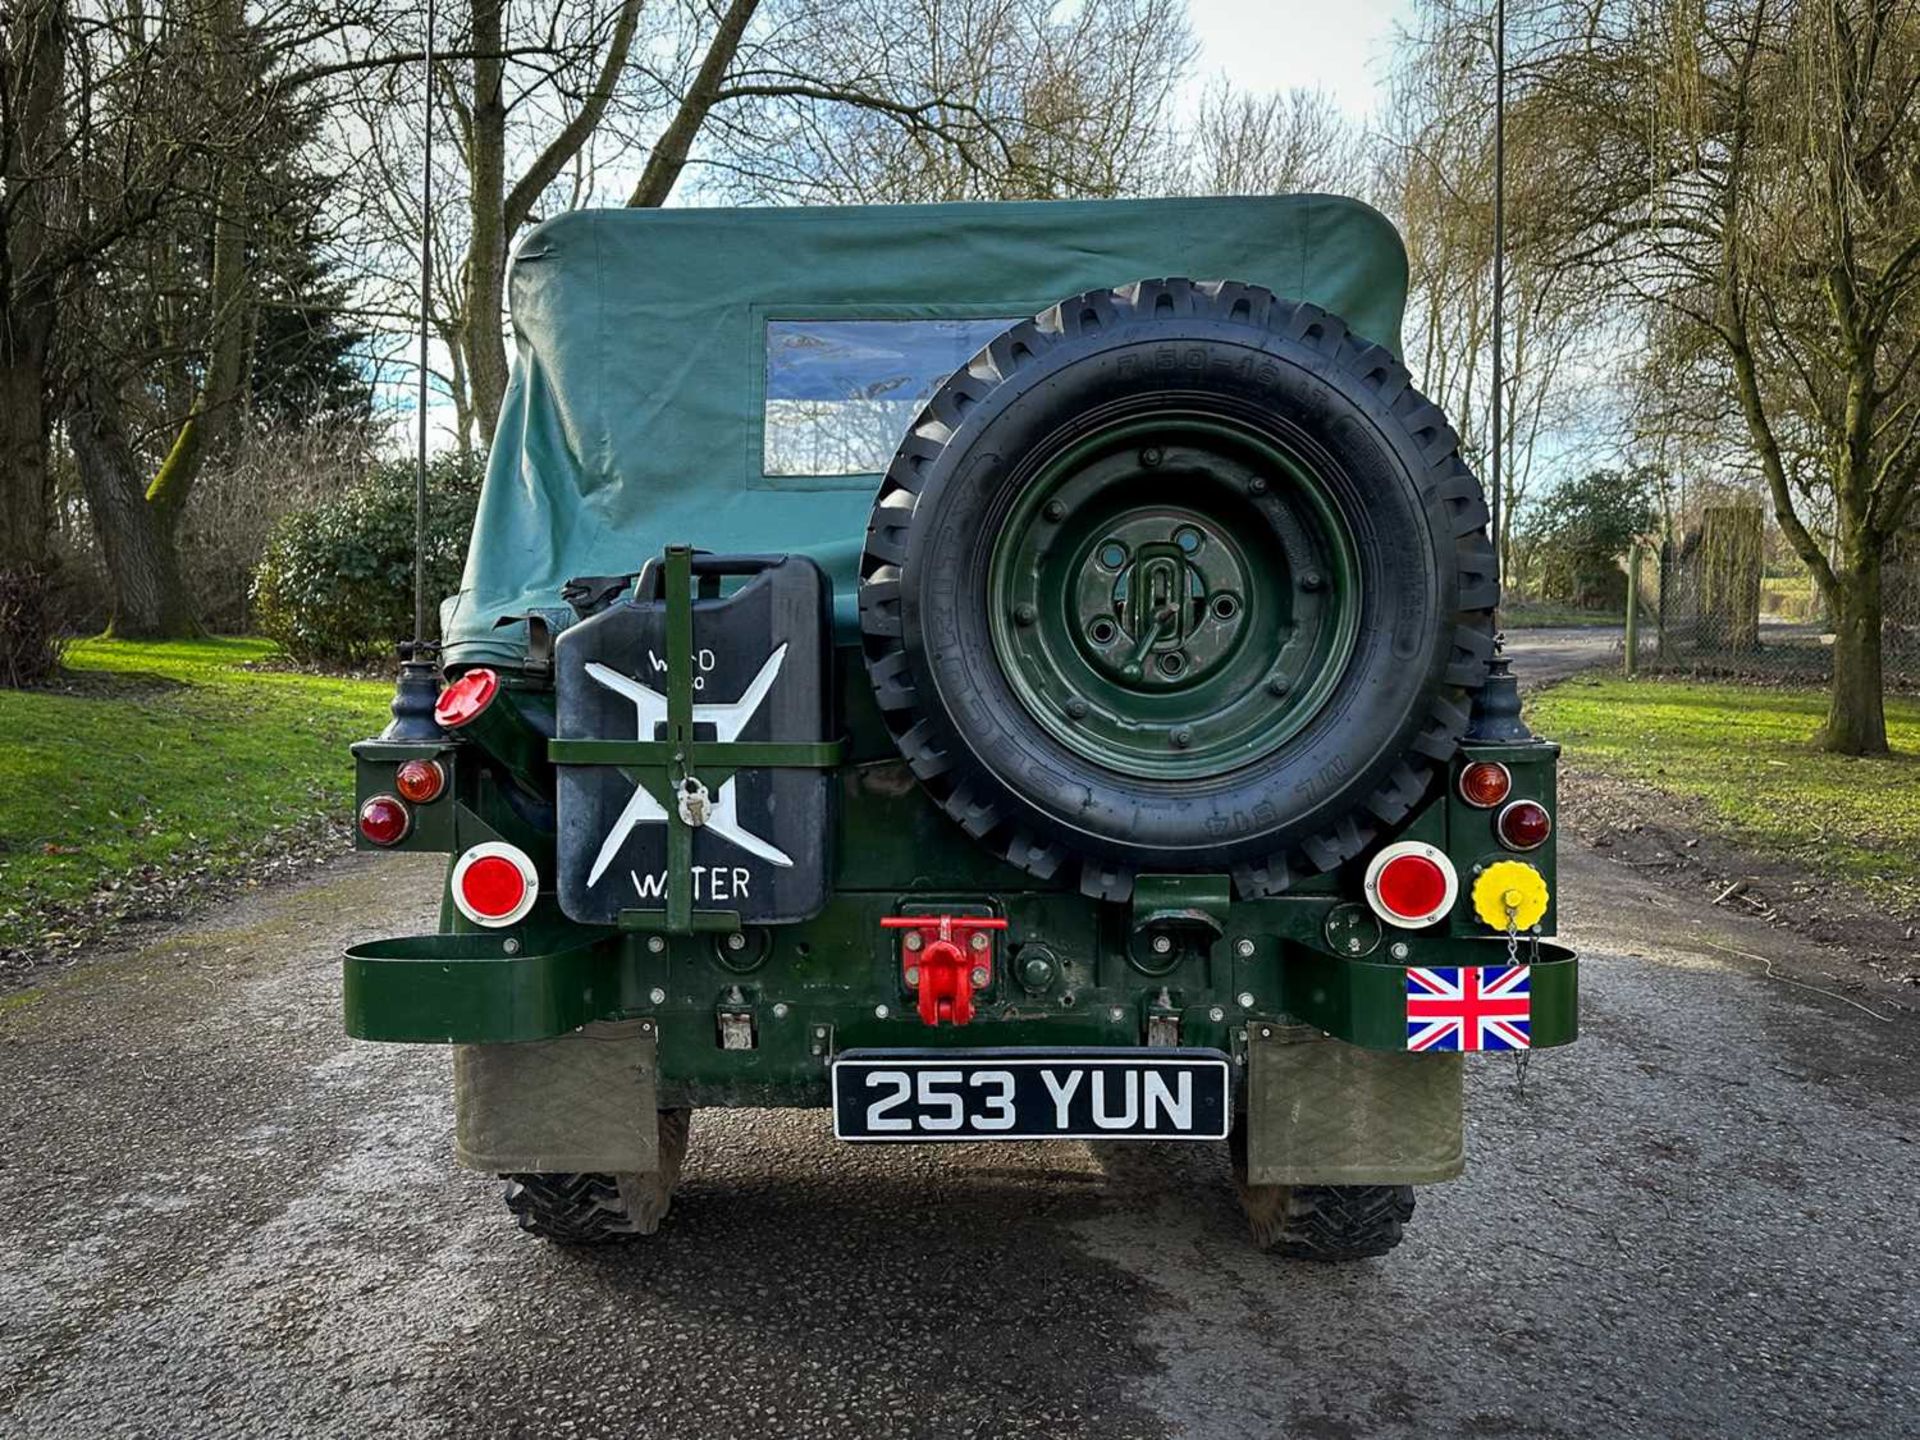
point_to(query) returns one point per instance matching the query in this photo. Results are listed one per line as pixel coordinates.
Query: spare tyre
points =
(1180, 576)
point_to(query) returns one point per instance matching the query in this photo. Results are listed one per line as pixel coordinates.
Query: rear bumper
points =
(484, 989)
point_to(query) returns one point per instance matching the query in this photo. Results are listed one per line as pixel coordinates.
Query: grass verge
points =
(154, 771)
(1740, 753)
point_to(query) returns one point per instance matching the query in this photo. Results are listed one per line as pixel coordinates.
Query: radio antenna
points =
(418, 686)
(426, 296)
(1499, 261)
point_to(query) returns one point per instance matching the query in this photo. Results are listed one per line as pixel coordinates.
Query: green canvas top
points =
(669, 359)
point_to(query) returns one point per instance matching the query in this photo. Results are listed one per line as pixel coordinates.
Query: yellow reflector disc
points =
(1510, 885)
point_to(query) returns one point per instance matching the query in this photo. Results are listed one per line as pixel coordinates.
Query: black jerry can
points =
(762, 670)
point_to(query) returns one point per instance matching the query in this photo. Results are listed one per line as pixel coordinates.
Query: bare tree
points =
(1747, 167)
(1282, 142)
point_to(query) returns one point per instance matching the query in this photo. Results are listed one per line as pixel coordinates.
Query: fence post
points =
(1633, 608)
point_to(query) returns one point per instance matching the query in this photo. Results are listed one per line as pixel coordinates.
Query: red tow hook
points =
(945, 958)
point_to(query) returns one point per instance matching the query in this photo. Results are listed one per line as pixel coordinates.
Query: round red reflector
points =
(465, 698)
(1412, 886)
(384, 820)
(493, 886)
(1524, 825)
(1485, 783)
(420, 780)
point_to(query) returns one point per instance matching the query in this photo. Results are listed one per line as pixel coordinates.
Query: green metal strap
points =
(679, 732)
(729, 754)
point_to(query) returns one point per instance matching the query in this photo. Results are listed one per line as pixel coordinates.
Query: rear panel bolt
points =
(1311, 580)
(1162, 944)
(510, 945)
(979, 940)
(1216, 1014)
(880, 1012)
(1266, 1032)
(1243, 948)
(1152, 456)
(913, 940)
(1354, 944)
(1399, 950)
(913, 975)
(1246, 1000)
(979, 977)
(1076, 709)
(780, 1010)
(656, 943)
(1116, 1014)
(1182, 738)
(1025, 614)
(736, 941)
(657, 995)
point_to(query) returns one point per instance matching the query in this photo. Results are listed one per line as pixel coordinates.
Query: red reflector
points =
(1485, 783)
(1412, 885)
(384, 820)
(420, 780)
(465, 698)
(495, 884)
(1524, 825)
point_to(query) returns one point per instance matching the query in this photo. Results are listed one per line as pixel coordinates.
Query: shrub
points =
(335, 585)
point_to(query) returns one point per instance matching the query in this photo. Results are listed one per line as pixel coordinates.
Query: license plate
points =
(1087, 1094)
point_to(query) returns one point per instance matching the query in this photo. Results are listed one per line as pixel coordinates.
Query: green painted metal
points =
(474, 989)
(720, 757)
(1174, 595)
(1364, 1002)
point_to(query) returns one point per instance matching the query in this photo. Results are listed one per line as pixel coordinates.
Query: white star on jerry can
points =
(727, 721)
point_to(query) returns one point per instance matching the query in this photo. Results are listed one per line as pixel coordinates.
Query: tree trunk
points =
(32, 66)
(486, 351)
(1856, 712)
(27, 649)
(147, 591)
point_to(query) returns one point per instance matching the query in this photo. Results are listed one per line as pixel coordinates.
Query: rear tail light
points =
(466, 698)
(384, 820)
(1524, 825)
(495, 884)
(1485, 783)
(1411, 884)
(420, 780)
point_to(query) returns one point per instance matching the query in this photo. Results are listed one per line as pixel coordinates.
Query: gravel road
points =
(223, 1218)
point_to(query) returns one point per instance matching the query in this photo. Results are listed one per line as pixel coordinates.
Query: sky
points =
(1339, 46)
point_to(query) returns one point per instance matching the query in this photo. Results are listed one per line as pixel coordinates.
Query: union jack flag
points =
(1469, 1007)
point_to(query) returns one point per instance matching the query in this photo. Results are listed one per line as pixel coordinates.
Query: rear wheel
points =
(571, 1208)
(1321, 1222)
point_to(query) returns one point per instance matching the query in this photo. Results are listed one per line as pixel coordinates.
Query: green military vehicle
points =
(910, 664)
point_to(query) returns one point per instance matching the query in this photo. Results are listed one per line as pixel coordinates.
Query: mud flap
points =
(1322, 1112)
(584, 1102)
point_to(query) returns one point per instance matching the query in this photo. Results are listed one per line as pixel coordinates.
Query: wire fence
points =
(1719, 612)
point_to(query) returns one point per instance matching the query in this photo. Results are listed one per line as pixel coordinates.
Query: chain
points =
(1520, 1057)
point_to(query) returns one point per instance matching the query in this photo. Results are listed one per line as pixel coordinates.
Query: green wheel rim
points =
(1174, 596)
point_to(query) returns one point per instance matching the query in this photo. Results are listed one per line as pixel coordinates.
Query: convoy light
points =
(384, 820)
(1485, 783)
(1410, 884)
(420, 781)
(495, 884)
(466, 698)
(1524, 825)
